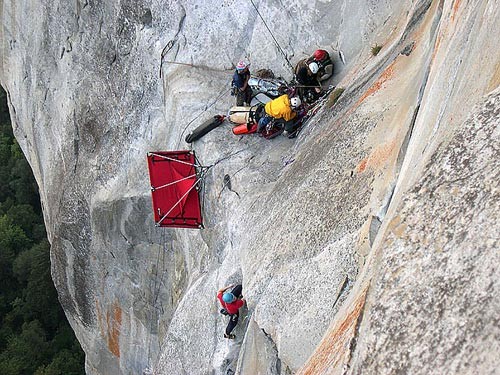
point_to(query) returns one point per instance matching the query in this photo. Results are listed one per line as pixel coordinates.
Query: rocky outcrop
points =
(366, 245)
(426, 274)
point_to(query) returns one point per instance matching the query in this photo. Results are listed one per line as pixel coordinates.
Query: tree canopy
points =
(35, 337)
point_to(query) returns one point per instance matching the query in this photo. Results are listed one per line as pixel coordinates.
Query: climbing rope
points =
(239, 170)
(218, 97)
(272, 35)
(156, 288)
(198, 66)
(167, 49)
(227, 181)
(234, 153)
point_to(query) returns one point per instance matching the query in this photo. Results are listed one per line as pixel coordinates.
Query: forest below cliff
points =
(35, 337)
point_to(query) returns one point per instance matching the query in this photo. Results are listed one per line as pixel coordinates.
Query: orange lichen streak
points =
(334, 349)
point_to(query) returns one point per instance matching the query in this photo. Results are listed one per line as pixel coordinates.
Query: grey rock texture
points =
(367, 245)
(436, 278)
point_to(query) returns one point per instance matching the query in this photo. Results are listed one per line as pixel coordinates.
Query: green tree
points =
(22, 182)
(32, 269)
(13, 240)
(6, 139)
(35, 337)
(26, 351)
(66, 362)
(26, 218)
(4, 110)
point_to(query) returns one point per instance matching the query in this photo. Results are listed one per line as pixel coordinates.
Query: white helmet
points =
(295, 102)
(313, 67)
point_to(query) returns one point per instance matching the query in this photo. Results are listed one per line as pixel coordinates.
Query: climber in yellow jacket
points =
(281, 109)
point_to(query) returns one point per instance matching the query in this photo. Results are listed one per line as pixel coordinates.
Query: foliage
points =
(334, 96)
(35, 337)
(376, 49)
(4, 111)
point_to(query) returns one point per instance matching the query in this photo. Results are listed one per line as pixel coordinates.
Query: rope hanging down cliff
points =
(272, 35)
(155, 309)
(222, 93)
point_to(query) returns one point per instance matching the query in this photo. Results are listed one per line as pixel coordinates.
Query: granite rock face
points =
(367, 245)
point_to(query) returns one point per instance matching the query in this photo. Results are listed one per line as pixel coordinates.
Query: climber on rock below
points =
(231, 302)
(241, 88)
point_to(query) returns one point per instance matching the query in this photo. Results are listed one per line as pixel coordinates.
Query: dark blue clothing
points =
(261, 125)
(239, 79)
(243, 97)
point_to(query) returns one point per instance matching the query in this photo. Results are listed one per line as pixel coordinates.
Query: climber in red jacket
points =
(231, 302)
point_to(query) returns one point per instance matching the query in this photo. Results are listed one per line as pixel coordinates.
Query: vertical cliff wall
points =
(366, 245)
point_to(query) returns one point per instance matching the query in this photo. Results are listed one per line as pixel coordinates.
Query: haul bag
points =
(245, 129)
(239, 115)
(204, 128)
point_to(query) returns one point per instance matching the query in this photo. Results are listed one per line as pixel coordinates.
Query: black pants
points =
(233, 321)
(233, 318)
(236, 291)
(292, 125)
(243, 96)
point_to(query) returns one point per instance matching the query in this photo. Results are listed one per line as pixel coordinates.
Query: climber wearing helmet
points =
(313, 67)
(241, 89)
(231, 302)
(295, 102)
(306, 75)
(321, 55)
(325, 64)
(282, 110)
